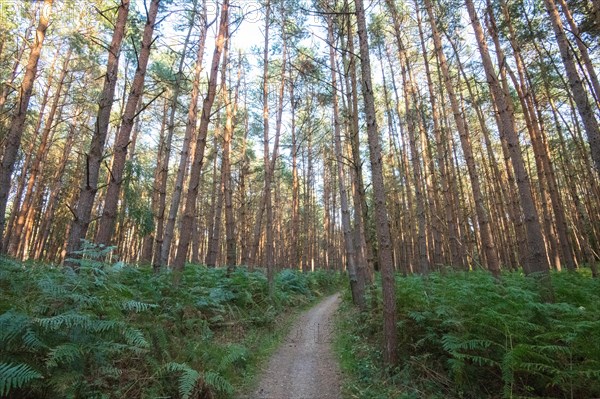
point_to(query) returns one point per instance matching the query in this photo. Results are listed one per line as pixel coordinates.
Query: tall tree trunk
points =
(258, 223)
(586, 112)
(411, 105)
(159, 191)
(536, 261)
(257, 233)
(109, 213)
(533, 128)
(159, 185)
(17, 126)
(164, 152)
(164, 241)
(216, 214)
(403, 200)
(213, 216)
(326, 249)
(244, 171)
(295, 228)
(583, 49)
(93, 159)
(402, 160)
(309, 202)
(54, 191)
(489, 246)
(230, 239)
(536, 129)
(270, 161)
(382, 227)
(357, 283)
(22, 180)
(455, 258)
(411, 112)
(198, 159)
(37, 190)
(7, 86)
(366, 260)
(270, 232)
(506, 196)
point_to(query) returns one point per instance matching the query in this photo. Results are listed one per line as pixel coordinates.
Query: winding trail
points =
(304, 367)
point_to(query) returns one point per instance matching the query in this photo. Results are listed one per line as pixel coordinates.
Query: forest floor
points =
(305, 367)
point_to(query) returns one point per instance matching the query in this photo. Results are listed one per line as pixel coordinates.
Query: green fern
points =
(105, 331)
(453, 344)
(66, 320)
(466, 336)
(63, 354)
(101, 326)
(188, 380)
(15, 376)
(216, 381)
(12, 325)
(136, 306)
(32, 341)
(135, 338)
(235, 354)
(51, 288)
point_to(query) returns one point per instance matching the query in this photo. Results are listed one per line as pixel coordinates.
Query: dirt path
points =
(304, 367)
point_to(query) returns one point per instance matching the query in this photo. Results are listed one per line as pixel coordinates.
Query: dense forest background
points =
(486, 120)
(400, 137)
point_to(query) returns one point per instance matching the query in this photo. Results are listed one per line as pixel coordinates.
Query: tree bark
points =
(366, 260)
(270, 161)
(164, 241)
(584, 107)
(536, 261)
(357, 283)
(7, 87)
(230, 238)
(216, 213)
(198, 158)
(26, 211)
(382, 226)
(535, 124)
(454, 256)
(583, 49)
(89, 185)
(54, 192)
(29, 156)
(489, 246)
(243, 218)
(295, 228)
(17, 126)
(109, 213)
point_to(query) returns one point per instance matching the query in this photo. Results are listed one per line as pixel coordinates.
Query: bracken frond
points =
(15, 376)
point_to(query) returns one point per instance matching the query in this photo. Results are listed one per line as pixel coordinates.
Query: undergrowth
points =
(463, 335)
(114, 331)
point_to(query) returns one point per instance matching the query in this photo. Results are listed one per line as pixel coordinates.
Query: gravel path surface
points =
(304, 367)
